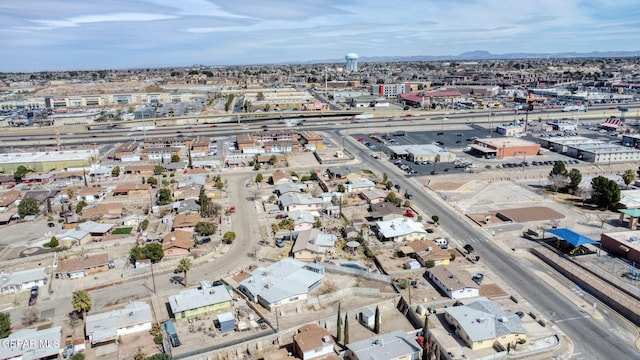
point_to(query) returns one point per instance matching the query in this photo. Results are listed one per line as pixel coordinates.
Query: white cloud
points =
(99, 18)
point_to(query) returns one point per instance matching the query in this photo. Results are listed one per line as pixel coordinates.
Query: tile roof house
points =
(401, 229)
(9, 199)
(186, 222)
(314, 342)
(81, 266)
(481, 324)
(177, 243)
(109, 326)
(283, 282)
(456, 284)
(396, 345)
(426, 251)
(194, 302)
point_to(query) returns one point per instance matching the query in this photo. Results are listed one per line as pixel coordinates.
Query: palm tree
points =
(184, 266)
(288, 224)
(81, 302)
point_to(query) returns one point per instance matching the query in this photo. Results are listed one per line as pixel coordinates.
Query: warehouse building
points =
(48, 161)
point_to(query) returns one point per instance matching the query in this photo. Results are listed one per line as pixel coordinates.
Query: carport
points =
(572, 237)
(483, 151)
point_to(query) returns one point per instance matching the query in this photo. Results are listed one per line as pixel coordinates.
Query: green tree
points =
(158, 356)
(184, 266)
(376, 324)
(115, 172)
(28, 206)
(80, 205)
(81, 302)
(346, 328)
(259, 177)
(49, 208)
(435, 219)
(267, 107)
(288, 224)
(158, 170)
(385, 178)
(260, 96)
(628, 177)
(317, 223)
(152, 181)
(388, 185)
(559, 169)
(272, 160)
(313, 176)
(164, 196)
(175, 158)
(5, 325)
(605, 192)
(152, 252)
(53, 243)
(426, 346)
(256, 166)
(575, 178)
(206, 228)
(341, 188)
(20, 172)
(339, 325)
(229, 237)
(203, 201)
(77, 356)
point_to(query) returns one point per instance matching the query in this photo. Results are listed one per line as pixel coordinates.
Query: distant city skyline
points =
(43, 35)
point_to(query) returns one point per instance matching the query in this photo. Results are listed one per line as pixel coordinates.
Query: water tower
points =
(352, 62)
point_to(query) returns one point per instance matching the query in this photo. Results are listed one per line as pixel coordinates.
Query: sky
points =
(42, 35)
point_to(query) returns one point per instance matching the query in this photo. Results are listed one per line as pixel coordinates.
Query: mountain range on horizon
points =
(486, 55)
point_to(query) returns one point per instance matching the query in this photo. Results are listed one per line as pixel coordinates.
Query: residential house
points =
(159, 154)
(81, 266)
(186, 222)
(396, 345)
(101, 173)
(373, 196)
(196, 181)
(312, 244)
(314, 342)
(186, 206)
(7, 181)
(482, 324)
(37, 178)
(68, 178)
(303, 201)
(428, 253)
(177, 243)
(84, 233)
(110, 326)
(102, 211)
(144, 170)
(18, 281)
(126, 150)
(286, 281)
(359, 184)
(90, 194)
(281, 177)
(290, 187)
(9, 199)
(385, 211)
(194, 302)
(133, 190)
(304, 220)
(32, 344)
(401, 229)
(343, 172)
(456, 284)
(187, 193)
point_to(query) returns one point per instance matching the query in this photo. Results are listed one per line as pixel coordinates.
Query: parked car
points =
(232, 209)
(279, 243)
(33, 298)
(281, 216)
(274, 211)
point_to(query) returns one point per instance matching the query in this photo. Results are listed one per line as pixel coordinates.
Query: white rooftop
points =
(197, 298)
(482, 319)
(48, 156)
(31, 344)
(399, 227)
(104, 326)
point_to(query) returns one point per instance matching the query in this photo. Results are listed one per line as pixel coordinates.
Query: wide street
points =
(593, 339)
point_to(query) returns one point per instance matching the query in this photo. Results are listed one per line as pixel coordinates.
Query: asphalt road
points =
(593, 339)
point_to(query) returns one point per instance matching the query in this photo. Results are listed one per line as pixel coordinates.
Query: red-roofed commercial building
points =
(429, 98)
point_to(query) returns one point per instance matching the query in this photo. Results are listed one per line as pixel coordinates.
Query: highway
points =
(593, 339)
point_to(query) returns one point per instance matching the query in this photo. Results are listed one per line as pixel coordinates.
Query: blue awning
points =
(572, 237)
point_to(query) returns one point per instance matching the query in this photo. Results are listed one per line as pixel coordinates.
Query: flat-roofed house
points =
(396, 345)
(300, 201)
(132, 190)
(18, 281)
(194, 302)
(110, 326)
(32, 344)
(481, 324)
(84, 233)
(102, 211)
(456, 284)
(400, 229)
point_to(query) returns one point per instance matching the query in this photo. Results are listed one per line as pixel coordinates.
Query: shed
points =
(411, 265)
(368, 318)
(226, 322)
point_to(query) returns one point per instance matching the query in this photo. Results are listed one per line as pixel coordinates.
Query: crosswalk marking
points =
(474, 240)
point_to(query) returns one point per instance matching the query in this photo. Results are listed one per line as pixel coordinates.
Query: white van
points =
(442, 243)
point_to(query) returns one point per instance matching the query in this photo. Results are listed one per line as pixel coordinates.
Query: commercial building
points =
(45, 161)
(421, 152)
(591, 150)
(625, 244)
(504, 147)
